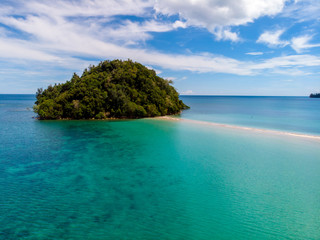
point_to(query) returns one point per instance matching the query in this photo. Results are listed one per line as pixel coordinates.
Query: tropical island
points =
(315, 95)
(113, 89)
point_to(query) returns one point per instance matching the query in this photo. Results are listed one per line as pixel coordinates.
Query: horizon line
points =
(203, 95)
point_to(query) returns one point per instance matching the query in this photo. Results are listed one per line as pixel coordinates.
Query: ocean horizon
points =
(193, 178)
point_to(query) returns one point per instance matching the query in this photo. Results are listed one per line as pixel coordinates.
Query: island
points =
(315, 95)
(112, 89)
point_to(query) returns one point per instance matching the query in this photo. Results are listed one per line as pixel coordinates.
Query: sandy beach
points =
(257, 130)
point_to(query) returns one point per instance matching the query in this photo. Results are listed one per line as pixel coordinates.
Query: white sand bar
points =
(300, 135)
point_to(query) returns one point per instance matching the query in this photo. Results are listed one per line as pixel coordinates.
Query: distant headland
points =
(113, 89)
(315, 95)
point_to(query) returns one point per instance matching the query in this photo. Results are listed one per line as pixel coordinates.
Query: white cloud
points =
(133, 32)
(226, 34)
(56, 48)
(287, 62)
(47, 28)
(272, 38)
(179, 24)
(299, 44)
(19, 50)
(54, 38)
(303, 10)
(219, 14)
(91, 8)
(86, 46)
(254, 53)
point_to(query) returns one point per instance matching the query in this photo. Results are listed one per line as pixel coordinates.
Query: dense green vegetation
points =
(315, 95)
(113, 89)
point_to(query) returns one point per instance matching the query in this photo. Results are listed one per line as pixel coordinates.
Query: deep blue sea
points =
(162, 179)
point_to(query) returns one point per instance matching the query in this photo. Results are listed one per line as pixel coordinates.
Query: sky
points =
(206, 47)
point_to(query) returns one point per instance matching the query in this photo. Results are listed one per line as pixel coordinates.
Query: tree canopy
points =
(113, 89)
(315, 95)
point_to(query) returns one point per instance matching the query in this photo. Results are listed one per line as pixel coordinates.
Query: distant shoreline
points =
(252, 129)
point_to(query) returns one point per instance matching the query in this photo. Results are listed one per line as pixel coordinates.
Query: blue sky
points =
(225, 47)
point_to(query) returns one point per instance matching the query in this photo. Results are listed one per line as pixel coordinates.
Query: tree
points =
(112, 89)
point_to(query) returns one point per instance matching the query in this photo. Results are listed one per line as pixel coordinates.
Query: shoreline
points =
(243, 128)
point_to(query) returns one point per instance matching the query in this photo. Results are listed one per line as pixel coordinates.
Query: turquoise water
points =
(152, 179)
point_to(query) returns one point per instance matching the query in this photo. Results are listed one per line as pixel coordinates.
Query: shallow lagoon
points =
(152, 179)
